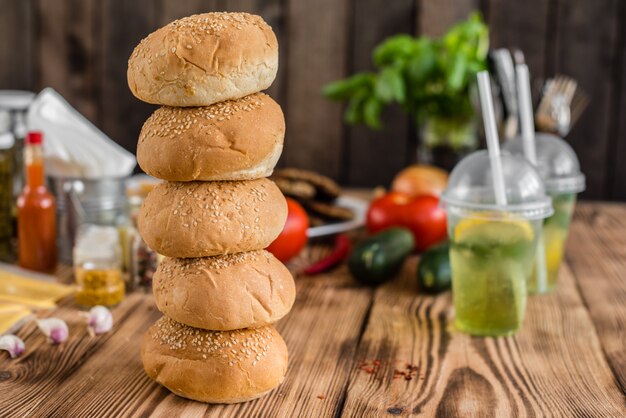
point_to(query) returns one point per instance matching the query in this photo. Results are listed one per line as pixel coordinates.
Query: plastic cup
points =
(558, 166)
(492, 247)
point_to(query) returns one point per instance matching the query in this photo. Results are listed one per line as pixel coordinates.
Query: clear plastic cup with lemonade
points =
(558, 166)
(493, 247)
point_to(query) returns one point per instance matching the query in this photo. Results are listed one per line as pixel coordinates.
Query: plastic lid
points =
(470, 190)
(16, 99)
(556, 162)
(34, 138)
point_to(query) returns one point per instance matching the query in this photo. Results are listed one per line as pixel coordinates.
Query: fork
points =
(561, 105)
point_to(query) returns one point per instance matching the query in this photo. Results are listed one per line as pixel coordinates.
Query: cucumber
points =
(381, 256)
(433, 272)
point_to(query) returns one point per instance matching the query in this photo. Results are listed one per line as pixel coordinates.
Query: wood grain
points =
(176, 9)
(103, 376)
(350, 347)
(17, 29)
(57, 380)
(80, 48)
(617, 135)
(587, 33)
(68, 46)
(524, 25)
(366, 146)
(435, 17)
(317, 43)
(124, 24)
(602, 284)
(536, 373)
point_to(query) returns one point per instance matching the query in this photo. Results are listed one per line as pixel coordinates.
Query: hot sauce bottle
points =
(36, 212)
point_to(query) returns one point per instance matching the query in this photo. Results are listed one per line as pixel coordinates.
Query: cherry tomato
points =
(293, 238)
(422, 215)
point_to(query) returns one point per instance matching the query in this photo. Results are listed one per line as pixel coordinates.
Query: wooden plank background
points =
(80, 47)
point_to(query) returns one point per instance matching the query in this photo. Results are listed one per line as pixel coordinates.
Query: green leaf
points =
(456, 72)
(371, 113)
(344, 89)
(354, 112)
(392, 50)
(422, 64)
(390, 85)
(428, 77)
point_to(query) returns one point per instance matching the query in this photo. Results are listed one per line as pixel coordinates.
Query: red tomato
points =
(293, 238)
(422, 215)
(385, 211)
(426, 220)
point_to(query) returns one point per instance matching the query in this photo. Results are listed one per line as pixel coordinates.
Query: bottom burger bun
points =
(213, 366)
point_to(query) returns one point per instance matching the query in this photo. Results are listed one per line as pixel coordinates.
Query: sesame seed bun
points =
(232, 140)
(204, 59)
(201, 219)
(243, 290)
(212, 366)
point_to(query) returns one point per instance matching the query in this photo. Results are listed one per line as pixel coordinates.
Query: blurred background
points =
(81, 48)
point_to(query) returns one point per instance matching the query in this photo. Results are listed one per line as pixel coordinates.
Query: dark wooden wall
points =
(80, 47)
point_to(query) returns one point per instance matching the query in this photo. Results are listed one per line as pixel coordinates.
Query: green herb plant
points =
(429, 78)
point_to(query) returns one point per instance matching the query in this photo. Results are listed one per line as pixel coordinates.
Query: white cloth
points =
(73, 146)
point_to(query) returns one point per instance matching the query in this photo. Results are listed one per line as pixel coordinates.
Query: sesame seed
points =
(167, 120)
(177, 336)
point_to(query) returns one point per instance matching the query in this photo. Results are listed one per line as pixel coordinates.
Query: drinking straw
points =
(526, 113)
(491, 132)
(528, 143)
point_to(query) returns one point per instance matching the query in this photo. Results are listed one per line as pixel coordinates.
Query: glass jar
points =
(144, 263)
(98, 266)
(13, 108)
(445, 141)
(7, 253)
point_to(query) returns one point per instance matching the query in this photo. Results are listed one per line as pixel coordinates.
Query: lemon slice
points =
(555, 242)
(505, 231)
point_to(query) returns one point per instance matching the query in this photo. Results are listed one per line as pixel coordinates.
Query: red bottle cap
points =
(34, 138)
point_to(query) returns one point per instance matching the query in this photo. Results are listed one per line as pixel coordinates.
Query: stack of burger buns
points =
(214, 141)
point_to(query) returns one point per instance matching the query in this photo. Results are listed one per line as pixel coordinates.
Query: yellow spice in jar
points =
(99, 286)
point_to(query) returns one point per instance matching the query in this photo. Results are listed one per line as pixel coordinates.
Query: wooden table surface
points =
(362, 352)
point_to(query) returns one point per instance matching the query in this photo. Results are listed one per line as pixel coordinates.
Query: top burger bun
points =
(204, 59)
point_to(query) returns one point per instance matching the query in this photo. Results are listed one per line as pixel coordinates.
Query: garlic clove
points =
(99, 320)
(13, 344)
(54, 328)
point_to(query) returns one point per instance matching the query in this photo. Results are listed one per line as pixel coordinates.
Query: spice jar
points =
(14, 105)
(144, 263)
(98, 266)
